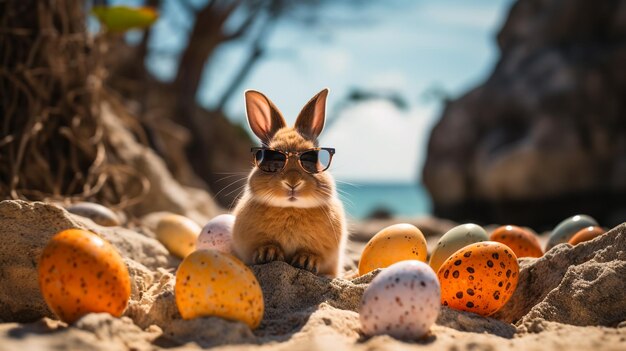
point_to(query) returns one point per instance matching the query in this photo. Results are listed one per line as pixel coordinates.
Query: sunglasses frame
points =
(289, 154)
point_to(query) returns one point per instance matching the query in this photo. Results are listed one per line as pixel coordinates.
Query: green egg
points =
(454, 240)
(567, 228)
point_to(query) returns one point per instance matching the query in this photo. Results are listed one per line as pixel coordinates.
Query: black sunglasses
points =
(312, 161)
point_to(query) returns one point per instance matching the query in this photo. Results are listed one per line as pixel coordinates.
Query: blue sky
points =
(409, 47)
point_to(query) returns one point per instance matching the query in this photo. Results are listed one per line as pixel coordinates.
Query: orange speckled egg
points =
(521, 241)
(479, 278)
(395, 243)
(213, 283)
(586, 234)
(80, 273)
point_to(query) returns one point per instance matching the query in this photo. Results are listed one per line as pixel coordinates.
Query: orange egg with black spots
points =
(521, 241)
(80, 273)
(479, 278)
(586, 234)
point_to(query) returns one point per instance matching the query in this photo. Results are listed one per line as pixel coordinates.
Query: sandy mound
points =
(573, 291)
(578, 285)
(25, 229)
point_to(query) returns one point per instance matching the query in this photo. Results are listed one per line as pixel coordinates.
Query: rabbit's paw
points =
(268, 253)
(307, 261)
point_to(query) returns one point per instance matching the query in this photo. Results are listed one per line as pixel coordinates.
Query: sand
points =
(572, 298)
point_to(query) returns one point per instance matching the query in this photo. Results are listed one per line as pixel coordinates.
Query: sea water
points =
(403, 200)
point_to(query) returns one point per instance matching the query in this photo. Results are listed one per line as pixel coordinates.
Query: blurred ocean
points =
(360, 200)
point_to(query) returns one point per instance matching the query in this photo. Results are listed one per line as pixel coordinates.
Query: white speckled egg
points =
(217, 234)
(402, 301)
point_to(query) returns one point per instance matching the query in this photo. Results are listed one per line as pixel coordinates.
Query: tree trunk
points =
(205, 36)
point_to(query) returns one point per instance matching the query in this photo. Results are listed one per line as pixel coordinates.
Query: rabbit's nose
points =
(292, 179)
(292, 185)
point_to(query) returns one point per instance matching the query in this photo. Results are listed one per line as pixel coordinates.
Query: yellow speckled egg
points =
(80, 273)
(521, 241)
(212, 283)
(455, 239)
(393, 244)
(178, 234)
(479, 278)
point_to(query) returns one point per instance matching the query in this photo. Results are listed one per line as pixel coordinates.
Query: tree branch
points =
(243, 28)
(227, 11)
(256, 53)
(189, 7)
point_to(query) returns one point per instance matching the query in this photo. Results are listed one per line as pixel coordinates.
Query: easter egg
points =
(521, 241)
(586, 234)
(217, 234)
(80, 273)
(212, 283)
(395, 243)
(567, 228)
(178, 234)
(97, 213)
(455, 239)
(479, 278)
(402, 301)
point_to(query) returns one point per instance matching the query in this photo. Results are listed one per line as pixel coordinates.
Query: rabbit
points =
(291, 215)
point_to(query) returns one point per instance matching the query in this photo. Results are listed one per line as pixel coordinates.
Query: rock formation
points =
(576, 285)
(546, 130)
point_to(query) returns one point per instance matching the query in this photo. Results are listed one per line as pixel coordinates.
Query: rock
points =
(141, 278)
(578, 285)
(26, 227)
(546, 129)
(163, 192)
(583, 298)
(286, 288)
(156, 304)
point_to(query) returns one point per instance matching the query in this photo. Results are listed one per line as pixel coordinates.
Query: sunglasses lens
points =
(315, 161)
(270, 161)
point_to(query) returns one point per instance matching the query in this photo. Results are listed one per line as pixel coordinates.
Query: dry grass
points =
(52, 143)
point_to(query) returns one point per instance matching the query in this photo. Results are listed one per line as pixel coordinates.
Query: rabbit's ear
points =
(310, 121)
(263, 116)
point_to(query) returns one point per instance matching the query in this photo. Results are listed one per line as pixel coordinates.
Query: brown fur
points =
(309, 233)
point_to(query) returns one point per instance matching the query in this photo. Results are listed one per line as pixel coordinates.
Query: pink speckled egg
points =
(217, 234)
(402, 301)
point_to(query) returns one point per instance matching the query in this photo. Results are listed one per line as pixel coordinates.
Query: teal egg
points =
(97, 213)
(454, 240)
(567, 228)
